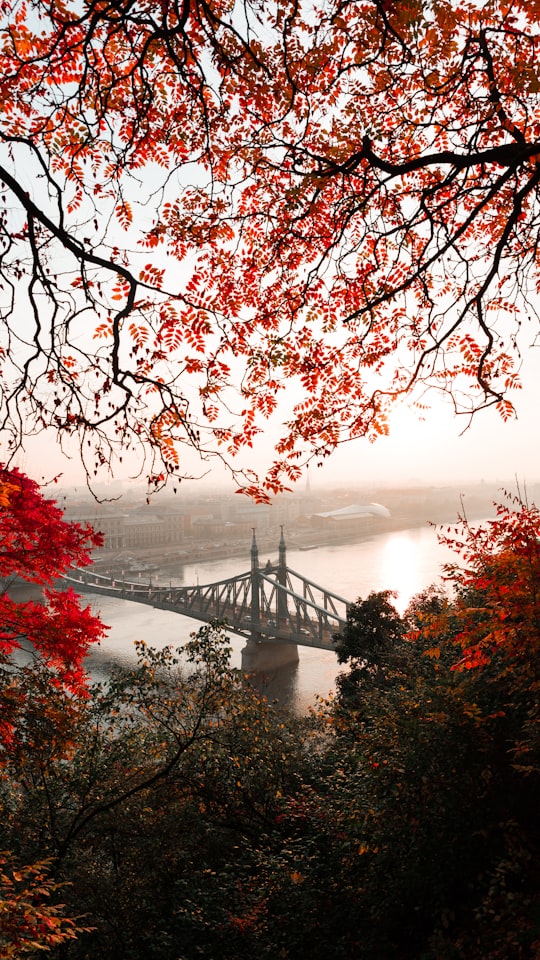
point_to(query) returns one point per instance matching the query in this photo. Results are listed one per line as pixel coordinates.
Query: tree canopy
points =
(217, 213)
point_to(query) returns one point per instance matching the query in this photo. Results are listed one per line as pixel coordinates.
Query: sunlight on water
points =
(410, 562)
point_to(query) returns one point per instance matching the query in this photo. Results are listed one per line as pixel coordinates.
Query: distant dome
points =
(356, 511)
(379, 510)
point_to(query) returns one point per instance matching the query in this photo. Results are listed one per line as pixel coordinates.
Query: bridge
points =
(274, 608)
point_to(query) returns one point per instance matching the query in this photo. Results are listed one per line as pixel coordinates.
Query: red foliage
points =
(39, 546)
(498, 591)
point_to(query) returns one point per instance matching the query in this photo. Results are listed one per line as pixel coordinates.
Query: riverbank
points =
(159, 560)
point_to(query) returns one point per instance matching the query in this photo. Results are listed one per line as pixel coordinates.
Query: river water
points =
(406, 561)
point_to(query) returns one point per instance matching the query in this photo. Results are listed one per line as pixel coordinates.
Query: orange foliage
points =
(338, 201)
(497, 604)
(29, 923)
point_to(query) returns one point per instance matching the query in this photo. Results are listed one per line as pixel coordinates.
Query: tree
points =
(220, 203)
(38, 546)
(29, 923)
(495, 619)
(174, 806)
(435, 780)
(150, 797)
(370, 644)
(497, 606)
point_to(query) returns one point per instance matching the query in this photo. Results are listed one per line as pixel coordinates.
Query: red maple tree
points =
(38, 546)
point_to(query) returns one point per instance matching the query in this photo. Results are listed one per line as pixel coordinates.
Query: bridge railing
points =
(330, 600)
(306, 617)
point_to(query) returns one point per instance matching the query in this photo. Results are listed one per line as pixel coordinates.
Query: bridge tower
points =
(282, 609)
(258, 654)
(255, 584)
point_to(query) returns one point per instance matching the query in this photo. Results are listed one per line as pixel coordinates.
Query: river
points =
(406, 561)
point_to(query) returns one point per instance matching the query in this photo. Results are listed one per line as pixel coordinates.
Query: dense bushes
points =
(182, 817)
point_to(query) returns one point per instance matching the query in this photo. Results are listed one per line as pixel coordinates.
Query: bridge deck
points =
(276, 605)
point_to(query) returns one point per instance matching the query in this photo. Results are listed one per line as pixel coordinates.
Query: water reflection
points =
(279, 686)
(409, 565)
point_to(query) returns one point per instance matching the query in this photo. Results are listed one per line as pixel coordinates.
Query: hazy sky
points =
(430, 452)
(433, 451)
(441, 450)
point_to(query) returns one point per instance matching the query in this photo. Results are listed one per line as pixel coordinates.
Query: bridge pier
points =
(263, 655)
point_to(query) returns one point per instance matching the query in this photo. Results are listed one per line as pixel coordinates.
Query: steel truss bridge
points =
(272, 604)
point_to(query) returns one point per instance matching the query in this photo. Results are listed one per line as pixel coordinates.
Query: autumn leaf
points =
(124, 215)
